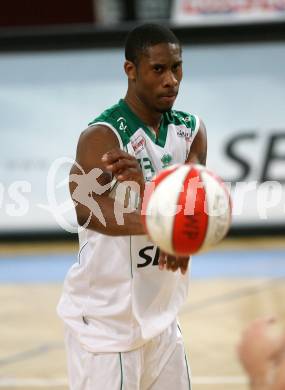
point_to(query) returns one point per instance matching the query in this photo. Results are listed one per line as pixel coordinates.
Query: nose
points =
(170, 80)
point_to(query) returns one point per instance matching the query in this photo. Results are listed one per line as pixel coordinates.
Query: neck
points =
(149, 117)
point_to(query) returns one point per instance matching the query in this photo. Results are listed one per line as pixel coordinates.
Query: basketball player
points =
(121, 299)
(262, 354)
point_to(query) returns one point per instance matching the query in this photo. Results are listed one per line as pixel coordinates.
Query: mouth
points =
(168, 98)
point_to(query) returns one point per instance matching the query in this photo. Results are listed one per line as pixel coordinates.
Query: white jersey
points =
(115, 298)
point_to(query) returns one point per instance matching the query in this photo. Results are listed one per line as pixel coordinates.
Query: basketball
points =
(186, 208)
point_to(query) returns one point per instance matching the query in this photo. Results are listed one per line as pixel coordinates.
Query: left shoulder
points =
(198, 151)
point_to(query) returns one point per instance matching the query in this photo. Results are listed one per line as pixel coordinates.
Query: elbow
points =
(86, 219)
(83, 216)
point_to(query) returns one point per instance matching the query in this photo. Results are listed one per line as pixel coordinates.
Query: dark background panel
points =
(84, 36)
(20, 13)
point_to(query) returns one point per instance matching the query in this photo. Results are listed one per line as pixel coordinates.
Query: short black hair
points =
(144, 36)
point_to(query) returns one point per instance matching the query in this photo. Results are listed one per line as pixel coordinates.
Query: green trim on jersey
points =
(121, 367)
(112, 116)
(137, 123)
(126, 122)
(182, 118)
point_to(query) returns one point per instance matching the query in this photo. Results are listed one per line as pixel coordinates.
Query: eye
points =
(158, 68)
(176, 67)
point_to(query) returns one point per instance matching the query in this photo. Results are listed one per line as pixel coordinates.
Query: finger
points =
(122, 164)
(174, 267)
(172, 263)
(114, 155)
(184, 265)
(162, 260)
(130, 174)
(169, 261)
(126, 170)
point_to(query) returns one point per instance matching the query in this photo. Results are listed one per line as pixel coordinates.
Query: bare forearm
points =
(113, 219)
(132, 225)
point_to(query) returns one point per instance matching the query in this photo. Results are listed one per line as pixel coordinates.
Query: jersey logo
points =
(184, 132)
(138, 144)
(166, 160)
(150, 255)
(122, 123)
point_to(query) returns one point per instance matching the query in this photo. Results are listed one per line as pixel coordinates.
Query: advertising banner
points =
(227, 11)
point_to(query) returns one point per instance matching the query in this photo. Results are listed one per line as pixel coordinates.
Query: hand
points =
(260, 349)
(124, 167)
(172, 263)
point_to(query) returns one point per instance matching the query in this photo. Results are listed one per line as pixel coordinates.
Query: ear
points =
(130, 70)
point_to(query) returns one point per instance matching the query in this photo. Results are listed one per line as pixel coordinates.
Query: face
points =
(157, 76)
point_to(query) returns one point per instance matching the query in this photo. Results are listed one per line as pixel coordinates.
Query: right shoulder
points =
(113, 118)
(96, 132)
(96, 137)
(93, 143)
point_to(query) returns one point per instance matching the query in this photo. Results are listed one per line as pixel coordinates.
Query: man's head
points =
(153, 65)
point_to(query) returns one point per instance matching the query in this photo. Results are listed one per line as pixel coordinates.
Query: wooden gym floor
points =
(239, 281)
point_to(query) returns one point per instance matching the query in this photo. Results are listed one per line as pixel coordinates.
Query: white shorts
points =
(159, 364)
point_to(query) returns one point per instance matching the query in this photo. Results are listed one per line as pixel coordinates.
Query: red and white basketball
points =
(186, 208)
